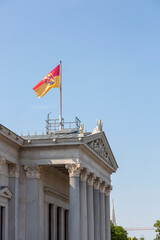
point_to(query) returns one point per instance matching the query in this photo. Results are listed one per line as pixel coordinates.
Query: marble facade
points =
(55, 186)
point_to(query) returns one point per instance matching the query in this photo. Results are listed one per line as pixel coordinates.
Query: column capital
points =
(32, 171)
(90, 179)
(84, 174)
(13, 170)
(108, 189)
(102, 187)
(2, 161)
(74, 169)
(97, 183)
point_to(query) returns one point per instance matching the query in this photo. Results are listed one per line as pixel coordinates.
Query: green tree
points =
(157, 226)
(118, 233)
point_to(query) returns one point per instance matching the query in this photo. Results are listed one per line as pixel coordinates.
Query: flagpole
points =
(60, 112)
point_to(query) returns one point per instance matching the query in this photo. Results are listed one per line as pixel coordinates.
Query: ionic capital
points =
(108, 189)
(32, 171)
(84, 174)
(74, 169)
(13, 170)
(90, 179)
(97, 183)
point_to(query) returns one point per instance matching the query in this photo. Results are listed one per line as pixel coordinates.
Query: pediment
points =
(5, 192)
(100, 145)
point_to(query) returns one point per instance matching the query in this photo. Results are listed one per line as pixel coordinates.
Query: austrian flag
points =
(52, 80)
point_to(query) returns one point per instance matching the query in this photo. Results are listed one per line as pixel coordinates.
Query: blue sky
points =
(110, 51)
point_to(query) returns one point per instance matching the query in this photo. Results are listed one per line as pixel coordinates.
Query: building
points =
(55, 186)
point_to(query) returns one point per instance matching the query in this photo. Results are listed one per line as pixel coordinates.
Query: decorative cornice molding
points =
(13, 170)
(32, 171)
(108, 189)
(98, 146)
(84, 174)
(2, 161)
(74, 169)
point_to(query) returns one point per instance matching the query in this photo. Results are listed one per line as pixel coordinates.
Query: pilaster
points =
(13, 173)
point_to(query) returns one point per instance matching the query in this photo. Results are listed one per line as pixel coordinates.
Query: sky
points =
(110, 53)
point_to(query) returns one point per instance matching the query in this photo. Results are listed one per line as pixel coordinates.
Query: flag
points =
(52, 80)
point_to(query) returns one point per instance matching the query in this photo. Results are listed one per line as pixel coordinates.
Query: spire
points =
(113, 218)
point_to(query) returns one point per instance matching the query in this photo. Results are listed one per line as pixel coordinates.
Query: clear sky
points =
(110, 51)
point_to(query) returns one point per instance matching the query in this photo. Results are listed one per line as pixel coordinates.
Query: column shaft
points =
(90, 212)
(102, 216)
(96, 214)
(32, 209)
(74, 212)
(83, 210)
(107, 216)
(13, 210)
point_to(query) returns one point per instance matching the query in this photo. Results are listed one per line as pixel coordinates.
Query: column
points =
(107, 211)
(62, 224)
(102, 211)
(96, 197)
(74, 208)
(83, 204)
(90, 207)
(32, 202)
(54, 222)
(13, 171)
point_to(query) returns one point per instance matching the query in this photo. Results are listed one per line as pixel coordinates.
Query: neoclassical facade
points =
(55, 186)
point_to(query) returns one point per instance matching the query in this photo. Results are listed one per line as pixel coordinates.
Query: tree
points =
(157, 226)
(118, 233)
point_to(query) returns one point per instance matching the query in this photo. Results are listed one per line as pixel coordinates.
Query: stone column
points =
(32, 202)
(2, 161)
(54, 222)
(13, 171)
(107, 211)
(102, 211)
(96, 197)
(90, 207)
(74, 208)
(62, 224)
(83, 204)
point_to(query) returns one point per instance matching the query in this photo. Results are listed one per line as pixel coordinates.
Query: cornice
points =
(58, 194)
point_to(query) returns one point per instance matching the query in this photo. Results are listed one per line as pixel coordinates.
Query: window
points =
(57, 223)
(2, 223)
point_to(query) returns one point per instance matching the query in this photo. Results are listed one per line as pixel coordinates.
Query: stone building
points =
(55, 186)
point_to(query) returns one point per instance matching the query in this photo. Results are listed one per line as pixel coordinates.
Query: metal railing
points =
(52, 125)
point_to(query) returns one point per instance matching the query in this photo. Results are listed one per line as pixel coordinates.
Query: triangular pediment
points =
(5, 192)
(99, 143)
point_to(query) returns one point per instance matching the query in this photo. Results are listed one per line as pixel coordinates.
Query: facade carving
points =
(32, 171)
(102, 187)
(74, 169)
(90, 179)
(13, 170)
(84, 174)
(97, 183)
(98, 146)
(108, 189)
(2, 161)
